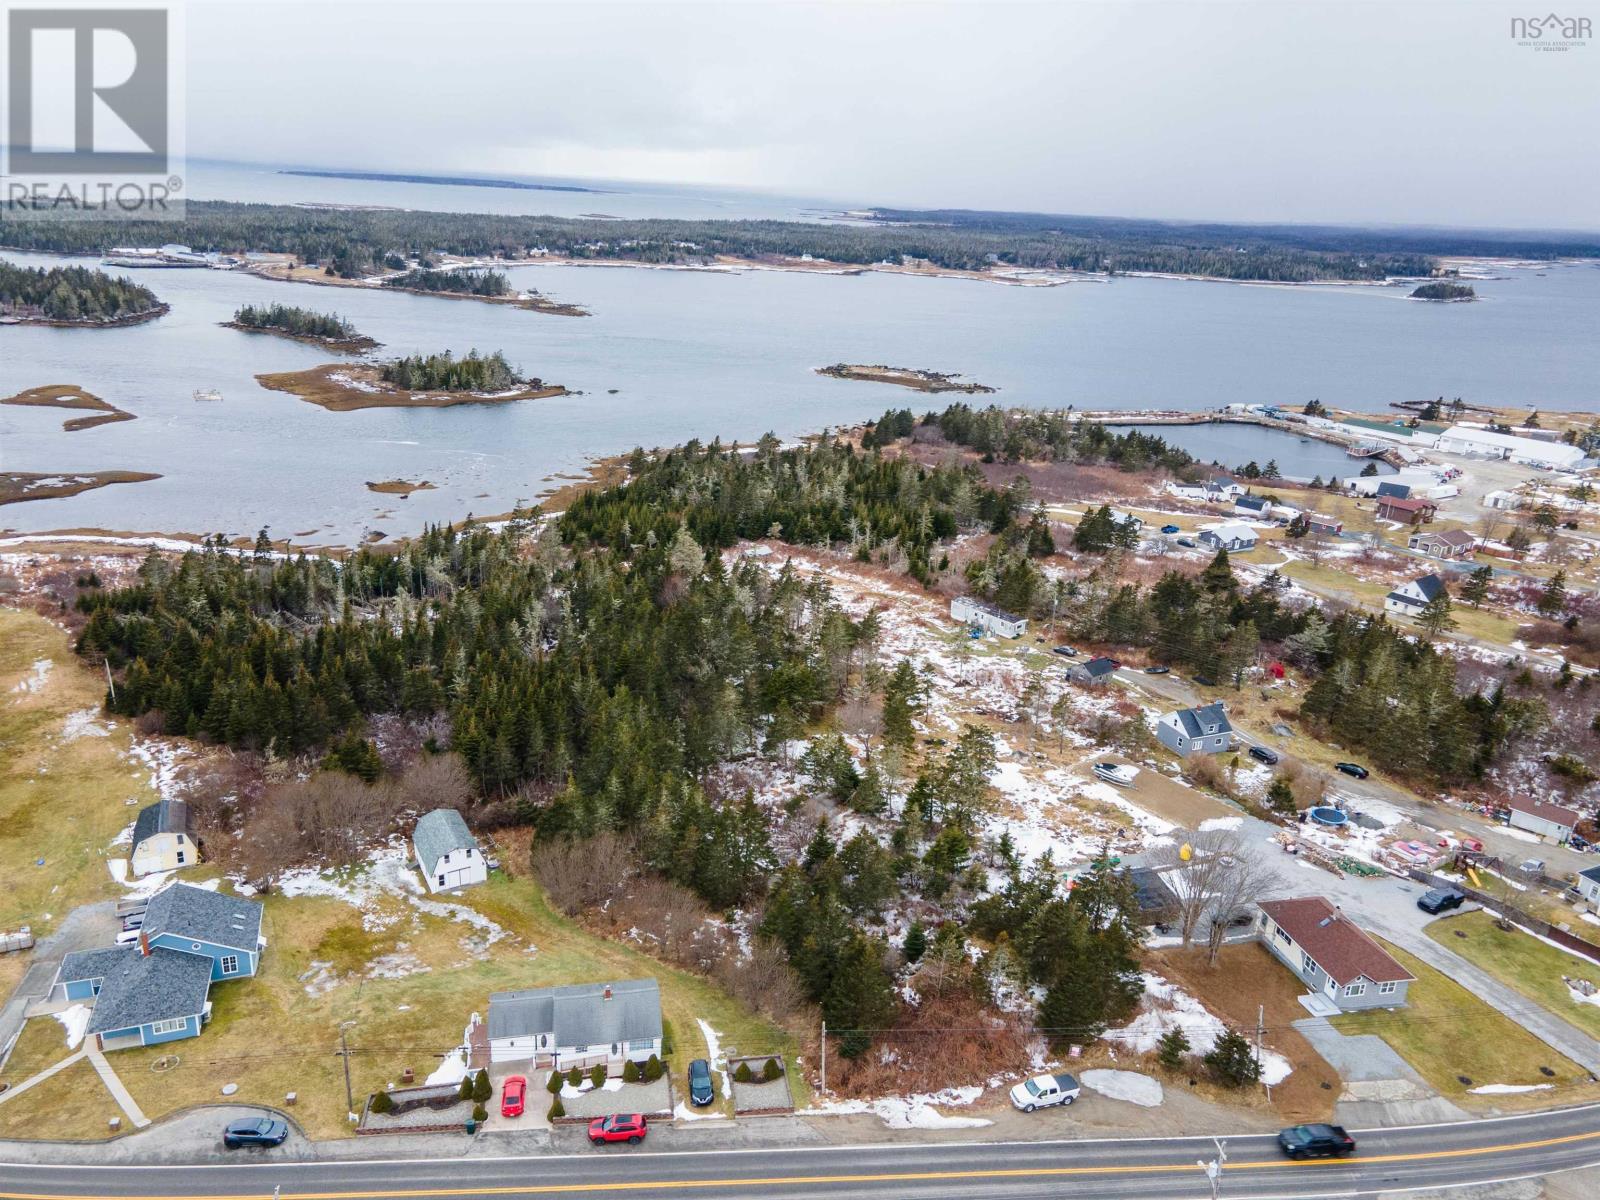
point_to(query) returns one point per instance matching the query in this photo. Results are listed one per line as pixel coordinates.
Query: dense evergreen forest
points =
(471, 283)
(446, 373)
(594, 673)
(355, 242)
(300, 322)
(71, 294)
(1018, 435)
(1444, 290)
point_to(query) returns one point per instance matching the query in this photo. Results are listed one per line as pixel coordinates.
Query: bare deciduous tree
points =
(1214, 885)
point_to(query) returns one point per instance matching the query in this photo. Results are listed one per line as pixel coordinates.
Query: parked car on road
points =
(1158, 670)
(1044, 1091)
(1438, 900)
(1116, 773)
(1065, 651)
(1190, 543)
(513, 1095)
(1169, 529)
(1532, 866)
(1316, 1141)
(1262, 754)
(255, 1131)
(700, 1090)
(619, 1127)
(1353, 769)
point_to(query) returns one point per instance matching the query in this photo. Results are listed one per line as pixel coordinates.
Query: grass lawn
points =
(43, 1041)
(1447, 1033)
(73, 1105)
(329, 962)
(1522, 962)
(1245, 978)
(60, 800)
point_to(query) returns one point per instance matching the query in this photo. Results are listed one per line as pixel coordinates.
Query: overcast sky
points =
(1407, 111)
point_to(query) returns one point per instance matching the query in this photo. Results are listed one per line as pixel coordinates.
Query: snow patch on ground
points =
(682, 1112)
(75, 1020)
(1166, 1006)
(911, 1112)
(388, 875)
(1124, 1085)
(1507, 1089)
(83, 723)
(714, 1055)
(453, 1068)
(33, 681)
(1219, 823)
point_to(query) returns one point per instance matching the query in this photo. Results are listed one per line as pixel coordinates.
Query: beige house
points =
(161, 840)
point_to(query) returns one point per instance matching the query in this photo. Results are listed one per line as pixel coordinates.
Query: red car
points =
(619, 1127)
(513, 1095)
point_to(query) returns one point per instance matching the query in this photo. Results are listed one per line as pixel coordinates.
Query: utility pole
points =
(824, 1055)
(1213, 1169)
(344, 1053)
(1261, 1029)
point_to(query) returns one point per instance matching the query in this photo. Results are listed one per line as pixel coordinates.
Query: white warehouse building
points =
(1484, 443)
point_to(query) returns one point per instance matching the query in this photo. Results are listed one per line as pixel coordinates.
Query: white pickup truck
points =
(1042, 1091)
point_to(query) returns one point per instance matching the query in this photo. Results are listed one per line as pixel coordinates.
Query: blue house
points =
(159, 990)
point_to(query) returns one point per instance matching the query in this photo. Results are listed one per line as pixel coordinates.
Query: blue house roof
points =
(199, 915)
(163, 985)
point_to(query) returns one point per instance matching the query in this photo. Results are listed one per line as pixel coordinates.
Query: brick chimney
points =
(606, 995)
(144, 943)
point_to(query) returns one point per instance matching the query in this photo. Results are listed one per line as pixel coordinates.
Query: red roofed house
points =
(1544, 818)
(1341, 964)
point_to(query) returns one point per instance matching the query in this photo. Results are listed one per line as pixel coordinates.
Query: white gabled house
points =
(446, 851)
(161, 840)
(581, 1025)
(1409, 599)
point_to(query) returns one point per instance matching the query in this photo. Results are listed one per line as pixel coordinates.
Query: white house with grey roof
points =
(447, 852)
(1189, 731)
(159, 990)
(974, 612)
(581, 1025)
(1409, 599)
(161, 840)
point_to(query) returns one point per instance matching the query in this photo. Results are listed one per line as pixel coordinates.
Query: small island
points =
(922, 381)
(1443, 291)
(398, 487)
(17, 486)
(73, 297)
(418, 381)
(475, 285)
(300, 325)
(66, 395)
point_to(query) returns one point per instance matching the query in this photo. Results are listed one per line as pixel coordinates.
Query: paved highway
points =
(1412, 1158)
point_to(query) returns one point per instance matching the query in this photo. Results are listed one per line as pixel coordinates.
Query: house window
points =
(1283, 937)
(230, 964)
(580, 1049)
(180, 858)
(1180, 743)
(177, 1025)
(1306, 963)
(1388, 989)
(647, 1044)
(441, 879)
(1355, 989)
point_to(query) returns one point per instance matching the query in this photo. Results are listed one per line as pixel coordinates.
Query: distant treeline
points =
(71, 294)
(1015, 435)
(301, 322)
(471, 283)
(446, 373)
(353, 243)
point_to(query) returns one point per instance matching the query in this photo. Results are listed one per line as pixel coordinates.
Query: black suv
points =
(1438, 900)
(1355, 770)
(255, 1131)
(1316, 1141)
(1262, 754)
